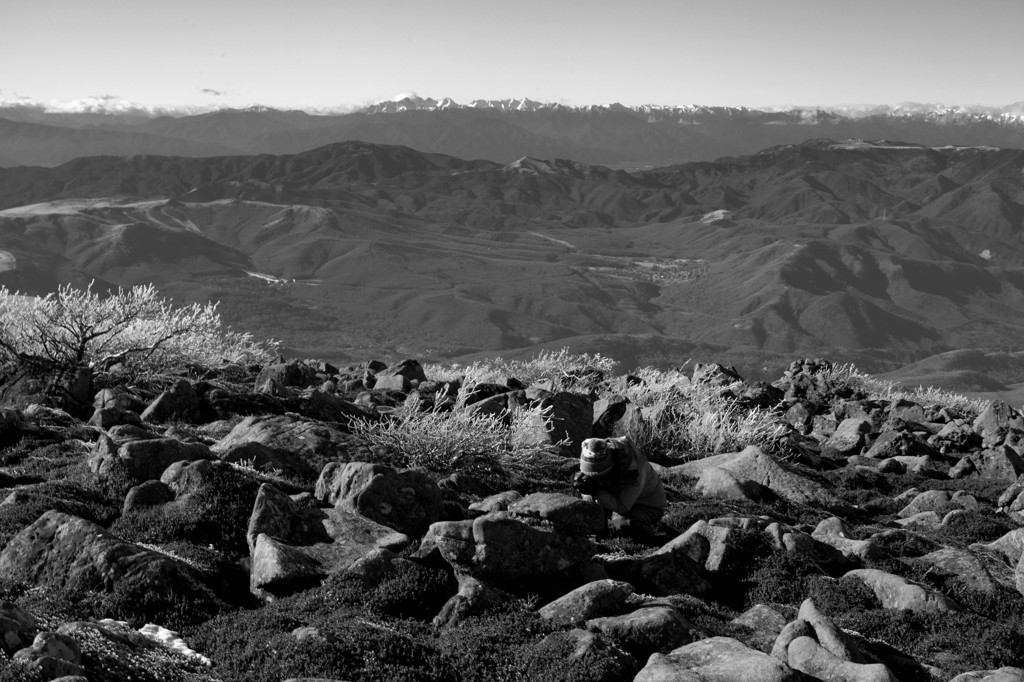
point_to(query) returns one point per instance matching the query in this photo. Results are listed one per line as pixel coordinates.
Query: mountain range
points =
(496, 130)
(877, 252)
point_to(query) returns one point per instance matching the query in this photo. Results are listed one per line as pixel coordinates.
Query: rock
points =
(848, 438)
(563, 416)
(706, 544)
(52, 655)
(494, 547)
(895, 592)
(961, 566)
(565, 512)
(473, 598)
(109, 417)
(496, 502)
(374, 566)
(721, 484)
(929, 500)
(898, 444)
(607, 412)
(579, 650)
(150, 493)
(1010, 545)
(17, 627)
(753, 464)
(293, 374)
(647, 630)
(832, 531)
(828, 635)
(266, 459)
(1001, 463)
(178, 402)
(11, 426)
(142, 460)
(34, 380)
(668, 570)
(295, 544)
(70, 552)
(808, 656)
(408, 500)
(763, 622)
(1004, 674)
(312, 443)
(592, 600)
(718, 659)
(996, 420)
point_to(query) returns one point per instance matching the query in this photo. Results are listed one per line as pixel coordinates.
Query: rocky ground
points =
(868, 539)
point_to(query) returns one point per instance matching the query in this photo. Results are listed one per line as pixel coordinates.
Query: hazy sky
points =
(335, 53)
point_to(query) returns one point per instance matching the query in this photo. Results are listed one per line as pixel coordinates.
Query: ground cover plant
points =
(385, 567)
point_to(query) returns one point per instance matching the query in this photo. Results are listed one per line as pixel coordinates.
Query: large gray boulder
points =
(565, 512)
(69, 552)
(408, 500)
(496, 547)
(716, 659)
(896, 592)
(143, 460)
(178, 402)
(595, 599)
(647, 630)
(311, 443)
(295, 544)
(753, 464)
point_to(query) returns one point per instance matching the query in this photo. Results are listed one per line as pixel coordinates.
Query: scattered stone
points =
(589, 601)
(715, 658)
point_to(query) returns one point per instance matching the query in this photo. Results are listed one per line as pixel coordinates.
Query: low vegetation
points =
(350, 626)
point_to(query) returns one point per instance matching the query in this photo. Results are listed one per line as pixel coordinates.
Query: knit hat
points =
(595, 460)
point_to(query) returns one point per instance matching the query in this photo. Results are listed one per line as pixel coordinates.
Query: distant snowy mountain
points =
(501, 130)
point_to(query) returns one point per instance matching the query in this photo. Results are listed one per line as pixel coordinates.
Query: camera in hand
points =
(584, 484)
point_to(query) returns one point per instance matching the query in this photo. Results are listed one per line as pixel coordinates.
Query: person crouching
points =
(616, 475)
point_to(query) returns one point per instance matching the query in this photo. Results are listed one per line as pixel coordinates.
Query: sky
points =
(340, 54)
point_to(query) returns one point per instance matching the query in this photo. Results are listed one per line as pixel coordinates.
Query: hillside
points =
(296, 520)
(878, 252)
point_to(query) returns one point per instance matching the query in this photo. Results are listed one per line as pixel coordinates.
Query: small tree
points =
(72, 327)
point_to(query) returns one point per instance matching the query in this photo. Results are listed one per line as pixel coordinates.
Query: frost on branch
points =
(74, 327)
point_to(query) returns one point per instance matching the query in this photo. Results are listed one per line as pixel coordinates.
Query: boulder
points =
(312, 443)
(666, 571)
(266, 459)
(143, 460)
(408, 500)
(848, 439)
(495, 547)
(961, 566)
(52, 655)
(721, 484)
(292, 374)
(718, 659)
(1001, 463)
(495, 503)
(585, 650)
(754, 465)
(996, 420)
(1004, 674)
(565, 512)
(648, 630)
(895, 592)
(473, 598)
(595, 599)
(17, 627)
(810, 657)
(70, 552)
(763, 622)
(294, 544)
(562, 416)
(178, 402)
(832, 531)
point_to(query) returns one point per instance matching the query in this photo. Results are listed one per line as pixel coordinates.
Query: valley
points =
(880, 254)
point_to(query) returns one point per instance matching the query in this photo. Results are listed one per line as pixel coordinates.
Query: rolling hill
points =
(877, 252)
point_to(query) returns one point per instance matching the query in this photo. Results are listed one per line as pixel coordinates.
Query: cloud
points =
(211, 91)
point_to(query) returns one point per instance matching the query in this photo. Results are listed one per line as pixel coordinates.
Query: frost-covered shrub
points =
(564, 368)
(443, 441)
(135, 327)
